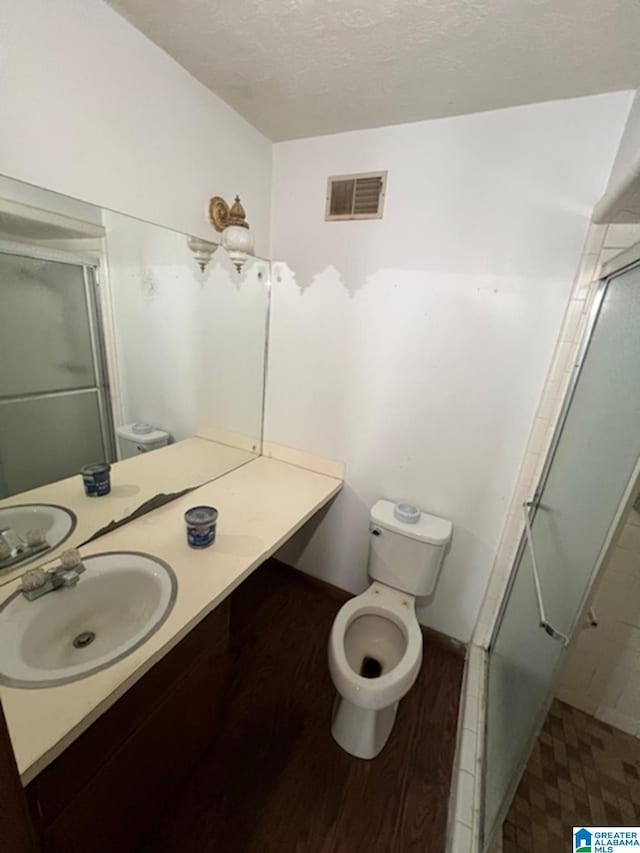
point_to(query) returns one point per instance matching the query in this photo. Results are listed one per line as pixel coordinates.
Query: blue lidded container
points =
(201, 526)
(97, 479)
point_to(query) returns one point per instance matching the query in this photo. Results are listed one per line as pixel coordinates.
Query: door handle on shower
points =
(544, 622)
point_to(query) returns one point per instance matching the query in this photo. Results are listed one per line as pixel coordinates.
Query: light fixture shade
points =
(202, 250)
(238, 242)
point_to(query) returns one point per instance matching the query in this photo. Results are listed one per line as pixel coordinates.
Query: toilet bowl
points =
(375, 644)
(375, 653)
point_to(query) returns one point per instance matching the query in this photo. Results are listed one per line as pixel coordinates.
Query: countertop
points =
(134, 481)
(260, 504)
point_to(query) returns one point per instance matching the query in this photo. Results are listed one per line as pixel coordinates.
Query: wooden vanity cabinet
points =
(105, 789)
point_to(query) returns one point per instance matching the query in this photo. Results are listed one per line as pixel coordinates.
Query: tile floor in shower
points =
(581, 773)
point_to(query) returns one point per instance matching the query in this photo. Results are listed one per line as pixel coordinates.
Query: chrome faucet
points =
(38, 582)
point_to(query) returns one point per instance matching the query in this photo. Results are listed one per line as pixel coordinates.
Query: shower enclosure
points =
(55, 412)
(591, 471)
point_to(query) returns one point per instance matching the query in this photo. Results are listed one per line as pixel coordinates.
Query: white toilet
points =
(375, 646)
(137, 438)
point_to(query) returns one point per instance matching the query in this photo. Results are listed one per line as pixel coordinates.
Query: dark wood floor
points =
(276, 782)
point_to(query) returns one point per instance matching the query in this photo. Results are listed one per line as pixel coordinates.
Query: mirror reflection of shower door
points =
(592, 468)
(54, 395)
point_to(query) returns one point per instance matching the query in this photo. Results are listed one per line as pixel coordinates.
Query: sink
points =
(121, 599)
(56, 523)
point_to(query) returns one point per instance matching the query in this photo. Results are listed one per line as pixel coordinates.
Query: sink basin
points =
(56, 522)
(118, 603)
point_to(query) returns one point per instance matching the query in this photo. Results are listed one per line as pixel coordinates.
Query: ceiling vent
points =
(356, 196)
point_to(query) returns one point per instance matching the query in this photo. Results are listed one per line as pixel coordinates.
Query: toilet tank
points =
(139, 438)
(407, 556)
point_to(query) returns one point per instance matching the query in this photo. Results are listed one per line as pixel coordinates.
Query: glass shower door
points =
(573, 515)
(54, 400)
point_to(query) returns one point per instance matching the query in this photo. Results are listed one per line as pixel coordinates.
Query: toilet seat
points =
(376, 693)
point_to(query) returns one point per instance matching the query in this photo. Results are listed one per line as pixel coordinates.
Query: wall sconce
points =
(202, 250)
(237, 238)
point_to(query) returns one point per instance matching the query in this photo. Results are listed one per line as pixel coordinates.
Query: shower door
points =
(591, 467)
(54, 395)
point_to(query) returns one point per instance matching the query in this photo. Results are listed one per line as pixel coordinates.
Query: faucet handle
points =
(70, 559)
(36, 537)
(34, 579)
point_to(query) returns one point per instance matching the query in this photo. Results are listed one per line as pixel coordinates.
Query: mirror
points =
(116, 347)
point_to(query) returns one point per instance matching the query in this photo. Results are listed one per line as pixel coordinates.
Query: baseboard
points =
(328, 589)
(456, 646)
(342, 596)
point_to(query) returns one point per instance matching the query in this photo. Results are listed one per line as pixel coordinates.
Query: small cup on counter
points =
(97, 479)
(201, 526)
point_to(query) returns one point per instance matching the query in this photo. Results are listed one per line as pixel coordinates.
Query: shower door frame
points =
(97, 331)
(623, 262)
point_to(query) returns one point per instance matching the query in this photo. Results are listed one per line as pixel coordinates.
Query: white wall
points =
(233, 317)
(415, 348)
(93, 109)
(190, 345)
(621, 201)
(629, 150)
(154, 297)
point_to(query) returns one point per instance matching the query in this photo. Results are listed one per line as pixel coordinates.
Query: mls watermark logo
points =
(582, 840)
(605, 839)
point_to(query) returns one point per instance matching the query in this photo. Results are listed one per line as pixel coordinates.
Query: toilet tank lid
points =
(429, 528)
(141, 436)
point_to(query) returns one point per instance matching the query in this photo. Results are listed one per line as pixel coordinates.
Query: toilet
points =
(137, 438)
(375, 645)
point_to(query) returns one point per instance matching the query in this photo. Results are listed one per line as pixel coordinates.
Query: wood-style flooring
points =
(276, 782)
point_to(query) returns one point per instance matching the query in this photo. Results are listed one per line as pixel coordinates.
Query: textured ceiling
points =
(305, 67)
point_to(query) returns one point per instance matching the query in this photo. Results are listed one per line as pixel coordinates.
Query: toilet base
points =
(360, 731)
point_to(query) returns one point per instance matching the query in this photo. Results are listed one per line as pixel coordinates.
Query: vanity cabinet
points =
(105, 789)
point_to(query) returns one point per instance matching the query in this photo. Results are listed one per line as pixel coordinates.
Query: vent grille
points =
(356, 196)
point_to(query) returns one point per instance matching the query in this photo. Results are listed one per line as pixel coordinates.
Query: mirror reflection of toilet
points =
(375, 646)
(137, 438)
